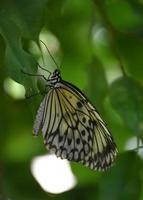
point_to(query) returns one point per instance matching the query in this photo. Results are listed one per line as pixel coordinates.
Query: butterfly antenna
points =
(42, 60)
(44, 69)
(50, 54)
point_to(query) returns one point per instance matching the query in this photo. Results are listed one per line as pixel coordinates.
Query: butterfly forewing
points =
(73, 129)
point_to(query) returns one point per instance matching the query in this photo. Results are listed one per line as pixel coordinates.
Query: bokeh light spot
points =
(14, 89)
(53, 174)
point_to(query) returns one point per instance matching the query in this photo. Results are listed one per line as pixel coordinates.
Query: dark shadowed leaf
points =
(126, 95)
(123, 180)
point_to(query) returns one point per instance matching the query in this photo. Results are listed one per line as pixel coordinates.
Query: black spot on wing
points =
(79, 104)
(84, 120)
(83, 132)
(60, 138)
(78, 141)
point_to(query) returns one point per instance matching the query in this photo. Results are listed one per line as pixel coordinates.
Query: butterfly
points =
(71, 126)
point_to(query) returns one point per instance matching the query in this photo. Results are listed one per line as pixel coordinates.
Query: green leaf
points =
(125, 21)
(131, 49)
(123, 181)
(119, 130)
(27, 15)
(126, 95)
(21, 19)
(16, 59)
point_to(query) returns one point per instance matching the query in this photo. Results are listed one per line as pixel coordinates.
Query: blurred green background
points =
(99, 46)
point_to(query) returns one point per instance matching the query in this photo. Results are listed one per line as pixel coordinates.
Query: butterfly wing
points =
(73, 129)
(98, 145)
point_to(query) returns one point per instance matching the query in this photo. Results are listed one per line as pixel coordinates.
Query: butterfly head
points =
(55, 78)
(56, 73)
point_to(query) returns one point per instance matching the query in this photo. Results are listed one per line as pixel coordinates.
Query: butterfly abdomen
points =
(39, 117)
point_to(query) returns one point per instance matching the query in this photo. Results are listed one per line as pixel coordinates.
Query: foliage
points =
(101, 44)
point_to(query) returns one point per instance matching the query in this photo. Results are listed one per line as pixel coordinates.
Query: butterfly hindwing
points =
(73, 129)
(102, 147)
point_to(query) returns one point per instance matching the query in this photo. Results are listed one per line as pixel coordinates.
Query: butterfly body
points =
(71, 126)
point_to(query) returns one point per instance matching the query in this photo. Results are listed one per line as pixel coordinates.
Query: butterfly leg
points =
(38, 75)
